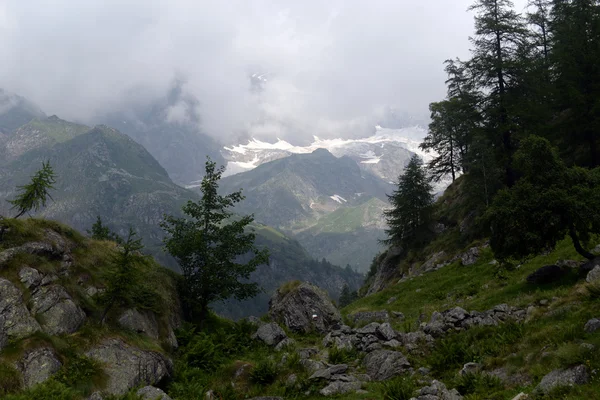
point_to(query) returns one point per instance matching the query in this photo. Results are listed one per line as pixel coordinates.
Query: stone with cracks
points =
(304, 308)
(15, 320)
(59, 313)
(152, 393)
(564, 377)
(340, 387)
(143, 322)
(38, 365)
(592, 325)
(270, 333)
(385, 364)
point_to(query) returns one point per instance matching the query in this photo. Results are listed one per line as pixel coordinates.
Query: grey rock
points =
(38, 365)
(592, 325)
(291, 380)
(391, 300)
(312, 365)
(470, 257)
(296, 308)
(270, 333)
(370, 329)
(59, 313)
(327, 373)
(340, 387)
(520, 396)
(568, 264)
(255, 320)
(385, 364)
(307, 352)
(370, 316)
(143, 322)
(398, 314)
(30, 277)
(386, 332)
(127, 366)
(593, 275)
(564, 377)
(470, 368)
(394, 344)
(15, 321)
(586, 267)
(596, 250)
(95, 396)
(152, 393)
(284, 343)
(438, 391)
(434, 263)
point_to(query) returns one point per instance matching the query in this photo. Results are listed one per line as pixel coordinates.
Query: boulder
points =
(386, 269)
(385, 364)
(152, 393)
(438, 391)
(127, 366)
(592, 325)
(586, 267)
(143, 322)
(386, 332)
(470, 257)
(30, 277)
(270, 333)
(58, 312)
(546, 274)
(38, 365)
(470, 368)
(304, 308)
(340, 387)
(328, 373)
(593, 275)
(434, 263)
(564, 377)
(285, 343)
(15, 320)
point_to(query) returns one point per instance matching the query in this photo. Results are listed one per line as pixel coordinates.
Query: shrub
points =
(477, 384)
(10, 379)
(203, 353)
(342, 356)
(81, 373)
(401, 388)
(49, 390)
(264, 373)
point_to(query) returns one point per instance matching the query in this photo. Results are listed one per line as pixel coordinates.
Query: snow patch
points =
(338, 198)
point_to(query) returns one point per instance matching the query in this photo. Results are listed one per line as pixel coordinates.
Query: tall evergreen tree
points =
(410, 215)
(499, 37)
(210, 246)
(100, 231)
(36, 193)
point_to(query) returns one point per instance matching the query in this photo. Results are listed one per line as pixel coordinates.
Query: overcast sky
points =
(333, 65)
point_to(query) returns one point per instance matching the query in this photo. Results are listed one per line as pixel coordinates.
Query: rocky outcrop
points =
(564, 377)
(128, 367)
(143, 322)
(38, 365)
(152, 393)
(271, 334)
(386, 270)
(385, 364)
(59, 313)
(15, 320)
(338, 387)
(470, 257)
(593, 275)
(304, 308)
(434, 263)
(458, 319)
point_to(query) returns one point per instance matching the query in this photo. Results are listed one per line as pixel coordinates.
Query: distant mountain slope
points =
(295, 191)
(168, 128)
(104, 172)
(15, 111)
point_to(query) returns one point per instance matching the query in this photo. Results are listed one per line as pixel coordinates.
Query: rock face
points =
(564, 377)
(304, 308)
(470, 257)
(386, 270)
(271, 334)
(370, 316)
(15, 320)
(546, 274)
(433, 264)
(127, 366)
(385, 364)
(458, 319)
(140, 322)
(58, 312)
(38, 365)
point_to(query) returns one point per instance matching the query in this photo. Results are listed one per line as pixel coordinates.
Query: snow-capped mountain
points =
(384, 154)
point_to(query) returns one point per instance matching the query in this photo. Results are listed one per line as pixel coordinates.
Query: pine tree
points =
(100, 231)
(122, 280)
(500, 35)
(36, 193)
(209, 244)
(409, 217)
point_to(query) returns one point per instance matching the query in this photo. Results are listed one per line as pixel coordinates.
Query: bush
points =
(342, 356)
(264, 373)
(401, 388)
(81, 373)
(49, 390)
(201, 352)
(477, 384)
(10, 379)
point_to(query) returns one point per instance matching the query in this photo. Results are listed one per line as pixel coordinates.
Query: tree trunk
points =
(578, 246)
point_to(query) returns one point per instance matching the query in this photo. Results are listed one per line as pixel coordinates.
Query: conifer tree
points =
(211, 246)
(36, 193)
(100, 231)
(409, 217)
